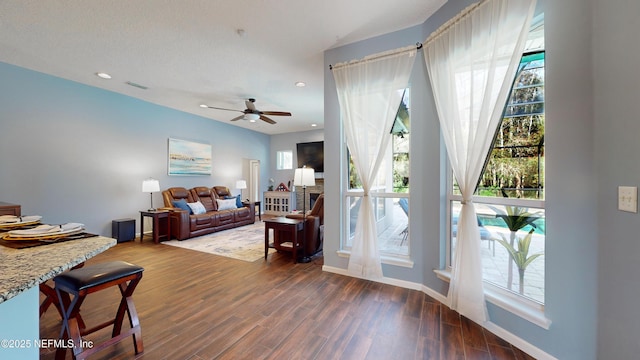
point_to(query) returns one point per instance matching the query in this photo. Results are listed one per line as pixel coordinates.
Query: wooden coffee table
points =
(293, 226)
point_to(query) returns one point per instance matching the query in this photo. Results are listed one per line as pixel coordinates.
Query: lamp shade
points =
(150, 185)
(241, 184)
(304, 176)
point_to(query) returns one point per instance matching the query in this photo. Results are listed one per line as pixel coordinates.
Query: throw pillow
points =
(182, 204)
(197, 208)
(238, 200)
(226, 204)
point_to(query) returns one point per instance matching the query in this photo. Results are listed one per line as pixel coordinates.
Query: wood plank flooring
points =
(196, 306)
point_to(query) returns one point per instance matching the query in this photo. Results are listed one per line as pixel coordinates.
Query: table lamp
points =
(304, 177)
(241, 184)
(151, 185)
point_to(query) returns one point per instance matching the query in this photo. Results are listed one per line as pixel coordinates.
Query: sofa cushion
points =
(205, 196)
(208, 203)
(203, 221)
(226, 204)
(179, 193)
(226, 217)
(182, 204)
(221, 191)
(243, 214)
(174, 194)
(197, 208)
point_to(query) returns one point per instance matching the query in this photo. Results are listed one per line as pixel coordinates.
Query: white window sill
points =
(515, 304)
(385, 259)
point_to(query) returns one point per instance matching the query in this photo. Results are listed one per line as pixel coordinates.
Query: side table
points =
(256, 204)
(293, 226)
(160, 230)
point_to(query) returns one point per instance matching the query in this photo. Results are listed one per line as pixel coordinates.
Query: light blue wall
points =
(616, 51)
(72, 152)
(571, 206)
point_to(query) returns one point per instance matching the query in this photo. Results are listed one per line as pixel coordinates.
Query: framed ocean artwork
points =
(189, 157)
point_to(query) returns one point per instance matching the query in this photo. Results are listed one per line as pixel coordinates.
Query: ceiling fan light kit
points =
(251, 117)
(251, 113)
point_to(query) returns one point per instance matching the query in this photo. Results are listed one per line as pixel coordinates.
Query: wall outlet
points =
(628, 198)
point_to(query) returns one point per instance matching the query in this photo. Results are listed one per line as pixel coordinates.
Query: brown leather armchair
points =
(317, 210)
(313, 224)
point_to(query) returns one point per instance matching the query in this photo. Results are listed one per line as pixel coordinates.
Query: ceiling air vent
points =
(136, 85)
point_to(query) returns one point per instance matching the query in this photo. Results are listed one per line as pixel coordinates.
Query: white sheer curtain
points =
(471, 61)
(369, 92)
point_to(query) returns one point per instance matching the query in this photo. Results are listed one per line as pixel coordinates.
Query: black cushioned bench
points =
(89, 279)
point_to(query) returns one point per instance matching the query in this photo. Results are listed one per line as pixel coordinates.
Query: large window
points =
(390, 190)
(509, 197)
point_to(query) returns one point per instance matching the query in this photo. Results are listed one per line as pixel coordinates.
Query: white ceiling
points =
(190, 52)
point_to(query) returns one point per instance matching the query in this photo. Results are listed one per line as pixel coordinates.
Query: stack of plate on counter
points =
(45, 232)
(12, 221)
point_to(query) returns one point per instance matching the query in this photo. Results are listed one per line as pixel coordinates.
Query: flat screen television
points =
(311, 154)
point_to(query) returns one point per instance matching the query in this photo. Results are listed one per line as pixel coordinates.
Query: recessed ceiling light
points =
(103, 75)
(301, 84)
(204, 106)
(314, 125)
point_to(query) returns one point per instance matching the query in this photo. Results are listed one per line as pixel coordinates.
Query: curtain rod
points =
(446, 26)
(379, 56)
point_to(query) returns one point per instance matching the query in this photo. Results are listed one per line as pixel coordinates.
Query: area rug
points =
(243, 243)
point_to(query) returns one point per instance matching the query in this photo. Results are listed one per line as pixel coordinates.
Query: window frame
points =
(280, 160)
(517, 304)
(348, 193)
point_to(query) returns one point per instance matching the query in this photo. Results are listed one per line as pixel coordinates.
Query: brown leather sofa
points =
(185, 225)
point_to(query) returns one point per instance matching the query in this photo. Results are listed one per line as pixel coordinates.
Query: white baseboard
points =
(516, 341)
(495, 329)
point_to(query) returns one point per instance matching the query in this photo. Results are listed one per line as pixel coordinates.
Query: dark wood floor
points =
(194, 305)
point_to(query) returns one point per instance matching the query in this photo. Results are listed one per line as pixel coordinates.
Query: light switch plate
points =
(628, 198)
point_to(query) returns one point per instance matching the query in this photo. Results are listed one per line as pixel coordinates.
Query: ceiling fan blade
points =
(237, 118)
(218, 108)
(264, 118)
(276, 113)
(250, 104)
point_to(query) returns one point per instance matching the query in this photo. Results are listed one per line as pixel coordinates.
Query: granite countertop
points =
(22, 269)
